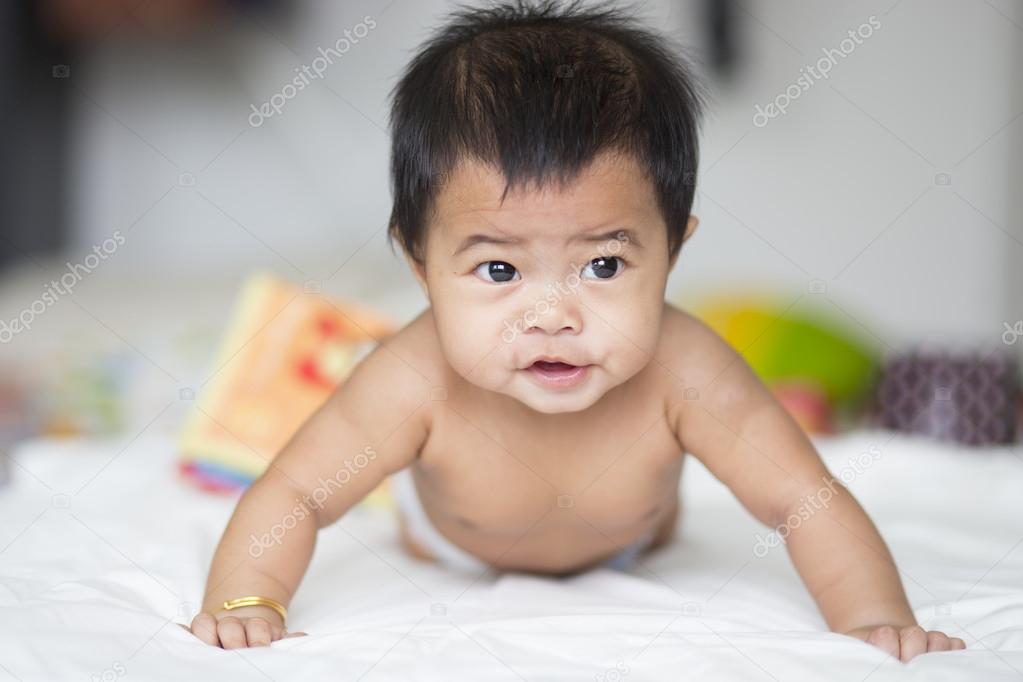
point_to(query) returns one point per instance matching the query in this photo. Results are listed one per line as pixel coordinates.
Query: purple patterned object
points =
(963, 398)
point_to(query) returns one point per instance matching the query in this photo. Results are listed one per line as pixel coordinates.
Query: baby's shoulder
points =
(387, 397)
(401, 369)
(419, 344)
(692, 352)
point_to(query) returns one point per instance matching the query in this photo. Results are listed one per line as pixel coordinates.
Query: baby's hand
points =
(242, 627)
(907, 642)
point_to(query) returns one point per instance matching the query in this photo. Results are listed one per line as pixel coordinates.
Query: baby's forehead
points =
(612, 187)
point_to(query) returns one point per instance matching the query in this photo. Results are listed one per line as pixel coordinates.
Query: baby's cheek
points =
(629, 339)
(628, 359)
(633, 321)
(471, 341)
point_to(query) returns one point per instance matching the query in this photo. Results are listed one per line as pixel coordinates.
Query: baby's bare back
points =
(552, 493)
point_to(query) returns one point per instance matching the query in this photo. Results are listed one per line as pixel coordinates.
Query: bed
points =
(104, 551)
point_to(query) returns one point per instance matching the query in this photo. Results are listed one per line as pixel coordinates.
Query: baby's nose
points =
(555, 313)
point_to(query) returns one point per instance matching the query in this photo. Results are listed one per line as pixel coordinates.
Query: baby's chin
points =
(557, 404)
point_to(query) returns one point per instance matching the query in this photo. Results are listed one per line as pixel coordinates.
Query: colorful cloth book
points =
(284, 352)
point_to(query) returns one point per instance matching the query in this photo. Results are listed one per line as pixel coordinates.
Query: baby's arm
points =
(748, 441)
(374, 424)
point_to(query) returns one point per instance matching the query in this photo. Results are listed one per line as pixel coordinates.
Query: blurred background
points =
(859, 196)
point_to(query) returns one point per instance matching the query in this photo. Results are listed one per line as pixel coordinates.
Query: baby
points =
(535, 417)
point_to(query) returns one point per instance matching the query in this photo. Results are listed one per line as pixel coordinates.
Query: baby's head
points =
(543, 170)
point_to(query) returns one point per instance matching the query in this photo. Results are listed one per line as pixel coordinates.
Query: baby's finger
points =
(913, 642)
(886, 638)
(938, 641)
(957, 644)
(257, 632)
(232, 633)
(204, 626)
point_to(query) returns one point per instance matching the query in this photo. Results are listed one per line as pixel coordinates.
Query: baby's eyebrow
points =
(619, 234)
(475, 239)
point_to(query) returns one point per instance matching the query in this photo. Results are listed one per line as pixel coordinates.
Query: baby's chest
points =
(500, 480)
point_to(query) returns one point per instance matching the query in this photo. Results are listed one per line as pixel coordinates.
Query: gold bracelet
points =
(257, 601)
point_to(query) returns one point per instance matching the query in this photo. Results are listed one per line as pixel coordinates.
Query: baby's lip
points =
(557, 375)
(552, 359)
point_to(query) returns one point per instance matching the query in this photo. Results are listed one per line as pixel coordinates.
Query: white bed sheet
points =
(92, 584)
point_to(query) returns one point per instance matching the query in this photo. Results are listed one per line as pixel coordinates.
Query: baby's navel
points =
(466, 523)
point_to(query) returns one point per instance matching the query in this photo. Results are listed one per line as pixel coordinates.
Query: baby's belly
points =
(547, 533)
(566, 548)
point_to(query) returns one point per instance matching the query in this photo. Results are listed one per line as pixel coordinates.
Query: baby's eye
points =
(603, 268)
(497, 271)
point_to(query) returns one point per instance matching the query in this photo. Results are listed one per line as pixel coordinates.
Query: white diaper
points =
(406, 497)
(403, 487)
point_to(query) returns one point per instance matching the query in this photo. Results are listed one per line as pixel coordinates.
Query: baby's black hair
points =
(537, 90)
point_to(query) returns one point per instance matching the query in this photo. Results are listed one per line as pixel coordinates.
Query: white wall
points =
(842, 187)
(839, 189)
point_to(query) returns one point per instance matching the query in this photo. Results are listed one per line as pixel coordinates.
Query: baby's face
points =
(552, 298)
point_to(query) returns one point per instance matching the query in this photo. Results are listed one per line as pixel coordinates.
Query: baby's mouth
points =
(552, 367)
(557, 374)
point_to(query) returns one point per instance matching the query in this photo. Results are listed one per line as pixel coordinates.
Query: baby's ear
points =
(691, 226)
(418, 269)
